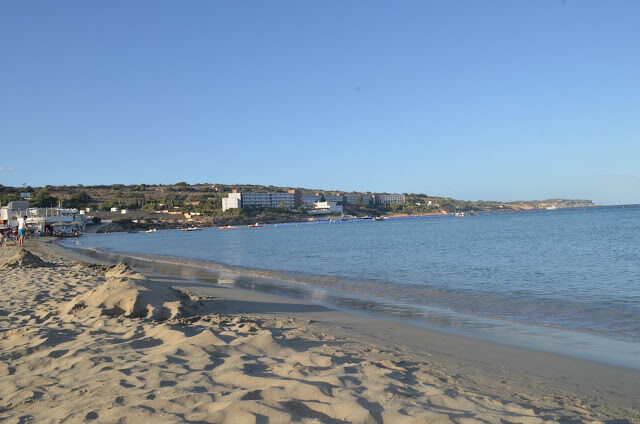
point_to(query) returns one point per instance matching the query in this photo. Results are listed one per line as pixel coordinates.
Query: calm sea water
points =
(566, 281)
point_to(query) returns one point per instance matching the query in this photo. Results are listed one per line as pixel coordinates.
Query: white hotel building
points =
(289, 200)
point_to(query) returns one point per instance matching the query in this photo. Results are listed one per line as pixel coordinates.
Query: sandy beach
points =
(82, 341)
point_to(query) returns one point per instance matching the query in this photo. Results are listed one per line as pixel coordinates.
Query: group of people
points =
(21, 232)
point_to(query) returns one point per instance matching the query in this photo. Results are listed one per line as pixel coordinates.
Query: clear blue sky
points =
(498, 100)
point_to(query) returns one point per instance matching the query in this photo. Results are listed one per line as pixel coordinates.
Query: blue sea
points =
(565, 281)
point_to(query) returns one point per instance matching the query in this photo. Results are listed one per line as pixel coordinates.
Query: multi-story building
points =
(255, 200)
(297, 197)
(352, 198)
(291, 199)
(356, 197)
(310, 199)
(385, 199)
(286, 200)
(234, 201)
(337, 198)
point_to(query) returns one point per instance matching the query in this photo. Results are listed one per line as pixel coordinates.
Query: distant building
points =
(310, 199)
(297, 197)
(234, 201)
(321, 208)
(286, 200)
(386, 199)
(357, 197)
(255, 200)
(292, 199)
(337, 198)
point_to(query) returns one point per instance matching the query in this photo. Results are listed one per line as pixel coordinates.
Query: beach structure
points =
(290, 200)
(10, 213)
(63, 220)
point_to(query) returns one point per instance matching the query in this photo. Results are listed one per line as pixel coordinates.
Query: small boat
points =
(193, 229)
(550, 208)
(379, 218)
(151, 230)
(228, 227)
(256, 225)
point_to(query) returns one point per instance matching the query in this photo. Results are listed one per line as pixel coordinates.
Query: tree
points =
(78, 200)
(43, 199)
(8, 194)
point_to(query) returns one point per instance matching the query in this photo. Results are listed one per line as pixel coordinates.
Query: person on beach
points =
(22, 230)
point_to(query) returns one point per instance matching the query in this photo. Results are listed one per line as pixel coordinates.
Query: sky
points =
(476, 100)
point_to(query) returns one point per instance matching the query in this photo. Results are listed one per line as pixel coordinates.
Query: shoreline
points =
(293, 285)
(188, 268)
(241, 355)
(293, 219)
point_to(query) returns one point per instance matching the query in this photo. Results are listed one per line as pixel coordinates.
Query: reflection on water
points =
(226, 279)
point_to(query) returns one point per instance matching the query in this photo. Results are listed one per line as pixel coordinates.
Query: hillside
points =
(165, 205)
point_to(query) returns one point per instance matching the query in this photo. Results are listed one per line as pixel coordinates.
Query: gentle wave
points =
(577, 270)
(549, 338)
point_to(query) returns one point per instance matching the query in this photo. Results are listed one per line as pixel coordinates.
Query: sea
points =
(565, 281)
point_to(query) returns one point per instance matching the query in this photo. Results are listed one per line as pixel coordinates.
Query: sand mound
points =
(26, 259)
(122, 270)
(127, 293)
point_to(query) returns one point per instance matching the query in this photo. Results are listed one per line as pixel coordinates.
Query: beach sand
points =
(86, 342)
